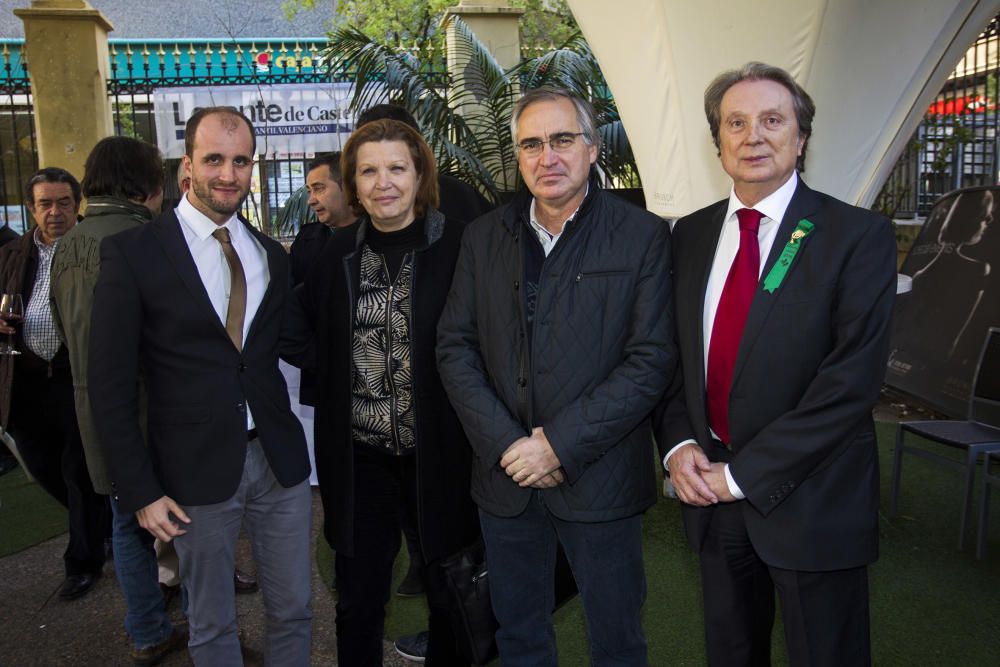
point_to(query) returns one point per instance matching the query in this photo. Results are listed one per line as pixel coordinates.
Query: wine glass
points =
(11, 312)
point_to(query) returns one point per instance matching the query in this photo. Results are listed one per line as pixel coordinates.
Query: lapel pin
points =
(777, 273)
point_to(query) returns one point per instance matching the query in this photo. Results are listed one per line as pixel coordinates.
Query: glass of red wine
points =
(11, 312)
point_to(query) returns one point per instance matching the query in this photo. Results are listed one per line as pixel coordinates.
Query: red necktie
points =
(731, 315)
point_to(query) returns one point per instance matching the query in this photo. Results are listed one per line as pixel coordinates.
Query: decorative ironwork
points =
(18, 148)
(171, 64)
(216, 63)
(956, 144)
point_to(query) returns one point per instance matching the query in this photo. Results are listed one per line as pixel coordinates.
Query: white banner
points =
(288, 118)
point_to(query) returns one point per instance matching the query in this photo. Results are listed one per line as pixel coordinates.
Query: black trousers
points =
(43, 424)
(384, 484)
(825, 614)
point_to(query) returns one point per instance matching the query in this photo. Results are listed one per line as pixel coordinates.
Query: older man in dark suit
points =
(196, 299)
(783, 299)
(36, 387)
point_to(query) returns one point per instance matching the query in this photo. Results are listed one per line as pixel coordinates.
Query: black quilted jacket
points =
(601, 354)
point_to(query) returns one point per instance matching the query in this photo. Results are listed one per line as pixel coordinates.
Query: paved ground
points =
(37, 628)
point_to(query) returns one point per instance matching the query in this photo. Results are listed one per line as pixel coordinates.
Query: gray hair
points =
(804, 107)
(584, 111)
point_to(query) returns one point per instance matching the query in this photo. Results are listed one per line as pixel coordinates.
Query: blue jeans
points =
(606, 559)
(146, 620)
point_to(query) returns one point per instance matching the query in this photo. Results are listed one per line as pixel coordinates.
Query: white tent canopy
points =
(872, 67)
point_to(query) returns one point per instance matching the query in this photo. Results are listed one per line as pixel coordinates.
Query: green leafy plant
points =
(575, 67)
(418, 23)
(125, 118)
(466, 117)
(950, 134)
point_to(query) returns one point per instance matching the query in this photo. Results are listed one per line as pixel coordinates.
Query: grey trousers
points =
(278, 521)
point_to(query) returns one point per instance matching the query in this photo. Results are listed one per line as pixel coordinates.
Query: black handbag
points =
(472, 619)
(473, 622)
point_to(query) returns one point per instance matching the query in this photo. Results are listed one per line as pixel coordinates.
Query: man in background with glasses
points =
(36, 386)
(554, 347)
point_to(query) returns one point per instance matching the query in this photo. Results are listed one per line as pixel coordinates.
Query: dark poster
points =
(939, 326)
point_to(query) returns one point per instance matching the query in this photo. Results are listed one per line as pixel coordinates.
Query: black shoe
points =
(152, 655)
(244, 582)
(77, 585)
(412, 584)
(413, 647)
(7, 463)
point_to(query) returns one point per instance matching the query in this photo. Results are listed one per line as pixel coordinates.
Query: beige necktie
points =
(237, 309)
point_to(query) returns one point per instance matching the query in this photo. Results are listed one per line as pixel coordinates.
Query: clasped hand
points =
(696, 480)
(531, 461)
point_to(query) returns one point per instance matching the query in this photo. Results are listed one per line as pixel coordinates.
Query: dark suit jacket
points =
(807, 375)
(7, 235)
(460, 201)
(152, 315)
(306, 250)
(18, 273)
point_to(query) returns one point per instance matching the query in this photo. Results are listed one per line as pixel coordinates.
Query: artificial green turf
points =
(930, 603)
(28, 515)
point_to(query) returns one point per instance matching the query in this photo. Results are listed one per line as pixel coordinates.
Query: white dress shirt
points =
(548, 240)
(773, 208)
(214, 269)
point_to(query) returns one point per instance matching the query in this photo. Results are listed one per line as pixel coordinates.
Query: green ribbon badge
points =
(780, 268)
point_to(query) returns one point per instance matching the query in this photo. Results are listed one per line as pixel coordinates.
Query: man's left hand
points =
(553, 479)
(531, 460)
(716, 479)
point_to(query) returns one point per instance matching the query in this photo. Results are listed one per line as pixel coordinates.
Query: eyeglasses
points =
(560, 143)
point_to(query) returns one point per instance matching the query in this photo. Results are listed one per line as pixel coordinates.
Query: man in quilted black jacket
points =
(554, 346)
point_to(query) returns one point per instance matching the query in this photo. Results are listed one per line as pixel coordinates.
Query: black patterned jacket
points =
(382, 382)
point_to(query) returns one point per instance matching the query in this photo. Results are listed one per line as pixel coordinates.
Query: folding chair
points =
(978, 434)
(989, 479)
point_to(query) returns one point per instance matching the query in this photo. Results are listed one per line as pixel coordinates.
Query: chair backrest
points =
(984, 403)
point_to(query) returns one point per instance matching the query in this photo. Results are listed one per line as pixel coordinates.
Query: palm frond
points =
(571, 66)
(616, 157)
(483, 78)
(574, 66)
(465, 116)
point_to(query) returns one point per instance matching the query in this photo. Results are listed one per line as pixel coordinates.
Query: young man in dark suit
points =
(783, 300)
(196, 299)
